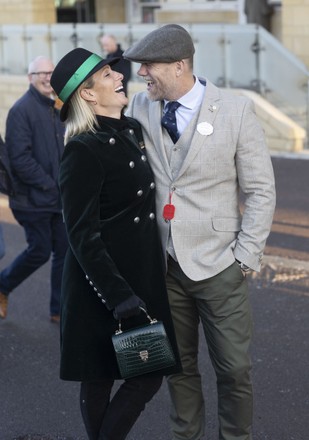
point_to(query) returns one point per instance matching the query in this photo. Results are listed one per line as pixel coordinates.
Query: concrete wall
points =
(206, 16)
(27, 11)
(295, 28)
(110, 11)
(44, 11)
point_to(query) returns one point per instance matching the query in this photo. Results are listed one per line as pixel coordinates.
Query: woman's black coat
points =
(108, 196)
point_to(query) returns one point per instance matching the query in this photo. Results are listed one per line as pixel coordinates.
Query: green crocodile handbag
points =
(143, 349)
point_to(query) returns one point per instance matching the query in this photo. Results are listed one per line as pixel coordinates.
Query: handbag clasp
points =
(144, 355)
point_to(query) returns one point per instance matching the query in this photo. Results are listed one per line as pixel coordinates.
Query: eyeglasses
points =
(42, 75)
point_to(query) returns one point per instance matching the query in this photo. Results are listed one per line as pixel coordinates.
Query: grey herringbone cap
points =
(167, 44)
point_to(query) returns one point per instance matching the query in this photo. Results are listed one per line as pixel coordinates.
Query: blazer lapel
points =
(208, 112)
(155, 114)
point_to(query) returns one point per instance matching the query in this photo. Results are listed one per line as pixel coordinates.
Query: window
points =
(75, 11)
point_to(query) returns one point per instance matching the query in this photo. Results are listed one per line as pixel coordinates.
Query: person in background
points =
(205, 145)
(112, 49)
(35, 143)
(115, 263)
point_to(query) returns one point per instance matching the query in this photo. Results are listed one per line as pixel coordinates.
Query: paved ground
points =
(36, 405)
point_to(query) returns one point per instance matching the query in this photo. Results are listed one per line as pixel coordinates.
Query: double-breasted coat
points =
(108, 195)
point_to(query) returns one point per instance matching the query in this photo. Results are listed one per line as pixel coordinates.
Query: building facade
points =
(289, 22)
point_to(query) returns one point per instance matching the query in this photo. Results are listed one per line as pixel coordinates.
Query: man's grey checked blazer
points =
(209, 231)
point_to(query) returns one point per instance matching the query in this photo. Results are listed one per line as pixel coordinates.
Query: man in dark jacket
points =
(35, 143)
(112, 49)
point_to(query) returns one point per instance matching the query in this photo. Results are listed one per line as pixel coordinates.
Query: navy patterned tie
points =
(169, 120)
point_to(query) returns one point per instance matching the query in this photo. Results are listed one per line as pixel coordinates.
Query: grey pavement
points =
(36, 405)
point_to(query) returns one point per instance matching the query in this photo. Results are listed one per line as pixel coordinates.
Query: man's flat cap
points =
(166, 44)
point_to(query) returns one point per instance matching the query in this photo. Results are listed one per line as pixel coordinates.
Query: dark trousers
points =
(107, 418)
(45, 234)
(222, 306)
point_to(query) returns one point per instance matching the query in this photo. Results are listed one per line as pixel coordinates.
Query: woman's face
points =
(107, 92)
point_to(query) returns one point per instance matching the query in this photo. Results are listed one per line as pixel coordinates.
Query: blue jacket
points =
(35, 143)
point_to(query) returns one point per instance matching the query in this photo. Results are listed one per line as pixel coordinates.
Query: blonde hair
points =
(81, 116)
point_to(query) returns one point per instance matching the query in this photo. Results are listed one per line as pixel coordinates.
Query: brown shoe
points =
(55, 318)
(3, 305)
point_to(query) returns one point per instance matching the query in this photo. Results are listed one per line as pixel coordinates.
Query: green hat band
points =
(78, 77)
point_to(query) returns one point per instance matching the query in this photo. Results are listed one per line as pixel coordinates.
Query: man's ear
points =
(179, 67)
(87, 95)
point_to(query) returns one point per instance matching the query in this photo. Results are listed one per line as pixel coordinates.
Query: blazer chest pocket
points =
(226, 224)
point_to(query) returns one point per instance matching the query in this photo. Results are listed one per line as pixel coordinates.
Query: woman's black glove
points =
(129, 307)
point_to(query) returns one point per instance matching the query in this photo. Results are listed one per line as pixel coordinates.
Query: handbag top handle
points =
(151, 320)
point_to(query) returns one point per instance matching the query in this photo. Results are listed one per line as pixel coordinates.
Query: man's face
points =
(161, 80)
(40, 77)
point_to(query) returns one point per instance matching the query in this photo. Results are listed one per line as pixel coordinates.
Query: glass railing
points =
(237, 56)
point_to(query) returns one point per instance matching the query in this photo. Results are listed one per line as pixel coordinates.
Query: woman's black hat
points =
(72, 70)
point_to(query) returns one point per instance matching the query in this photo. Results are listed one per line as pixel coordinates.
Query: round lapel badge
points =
(205, 128)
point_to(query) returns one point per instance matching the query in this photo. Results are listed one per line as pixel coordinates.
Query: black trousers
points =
(109, 417)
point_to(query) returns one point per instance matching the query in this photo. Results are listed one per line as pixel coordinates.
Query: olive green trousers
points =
(221, 305)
